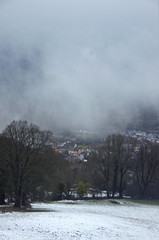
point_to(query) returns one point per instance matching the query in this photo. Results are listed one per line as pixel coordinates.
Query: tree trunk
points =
(121, 186)
(2, 197)
(115, 178)
(108, 191)
(142, 192)
(108, 194)
(18, 197)
(17, 202)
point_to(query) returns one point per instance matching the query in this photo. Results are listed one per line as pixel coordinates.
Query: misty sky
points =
(77, 63)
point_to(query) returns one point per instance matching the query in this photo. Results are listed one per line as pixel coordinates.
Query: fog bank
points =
(78, 63)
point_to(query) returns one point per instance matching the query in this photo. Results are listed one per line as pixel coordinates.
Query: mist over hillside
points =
(79, 64)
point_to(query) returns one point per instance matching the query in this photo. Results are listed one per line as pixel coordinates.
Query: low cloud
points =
(77, 64)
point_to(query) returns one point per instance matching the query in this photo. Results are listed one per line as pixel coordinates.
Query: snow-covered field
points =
(82, 220)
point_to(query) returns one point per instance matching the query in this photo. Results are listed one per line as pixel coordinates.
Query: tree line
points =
(29, 169)
(124, 165)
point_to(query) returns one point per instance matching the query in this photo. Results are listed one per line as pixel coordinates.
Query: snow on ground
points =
(85, 220)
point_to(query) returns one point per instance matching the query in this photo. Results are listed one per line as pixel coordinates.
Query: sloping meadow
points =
(82, 220)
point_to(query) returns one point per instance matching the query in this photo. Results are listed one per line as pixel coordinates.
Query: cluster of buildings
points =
(143, 135)
(73, 151)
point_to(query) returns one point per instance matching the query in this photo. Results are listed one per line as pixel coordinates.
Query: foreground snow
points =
(82, 220)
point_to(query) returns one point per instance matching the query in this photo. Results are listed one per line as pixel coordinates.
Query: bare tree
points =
(125, 161)
(24, 143)
(117, 142)
(104, 163)
(147, 166)
(113, 162)
(5, 182)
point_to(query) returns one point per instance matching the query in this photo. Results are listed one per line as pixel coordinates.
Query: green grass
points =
(148, 202)
(106, 201)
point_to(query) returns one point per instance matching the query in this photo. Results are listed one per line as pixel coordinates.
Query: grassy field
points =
(83, 220)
